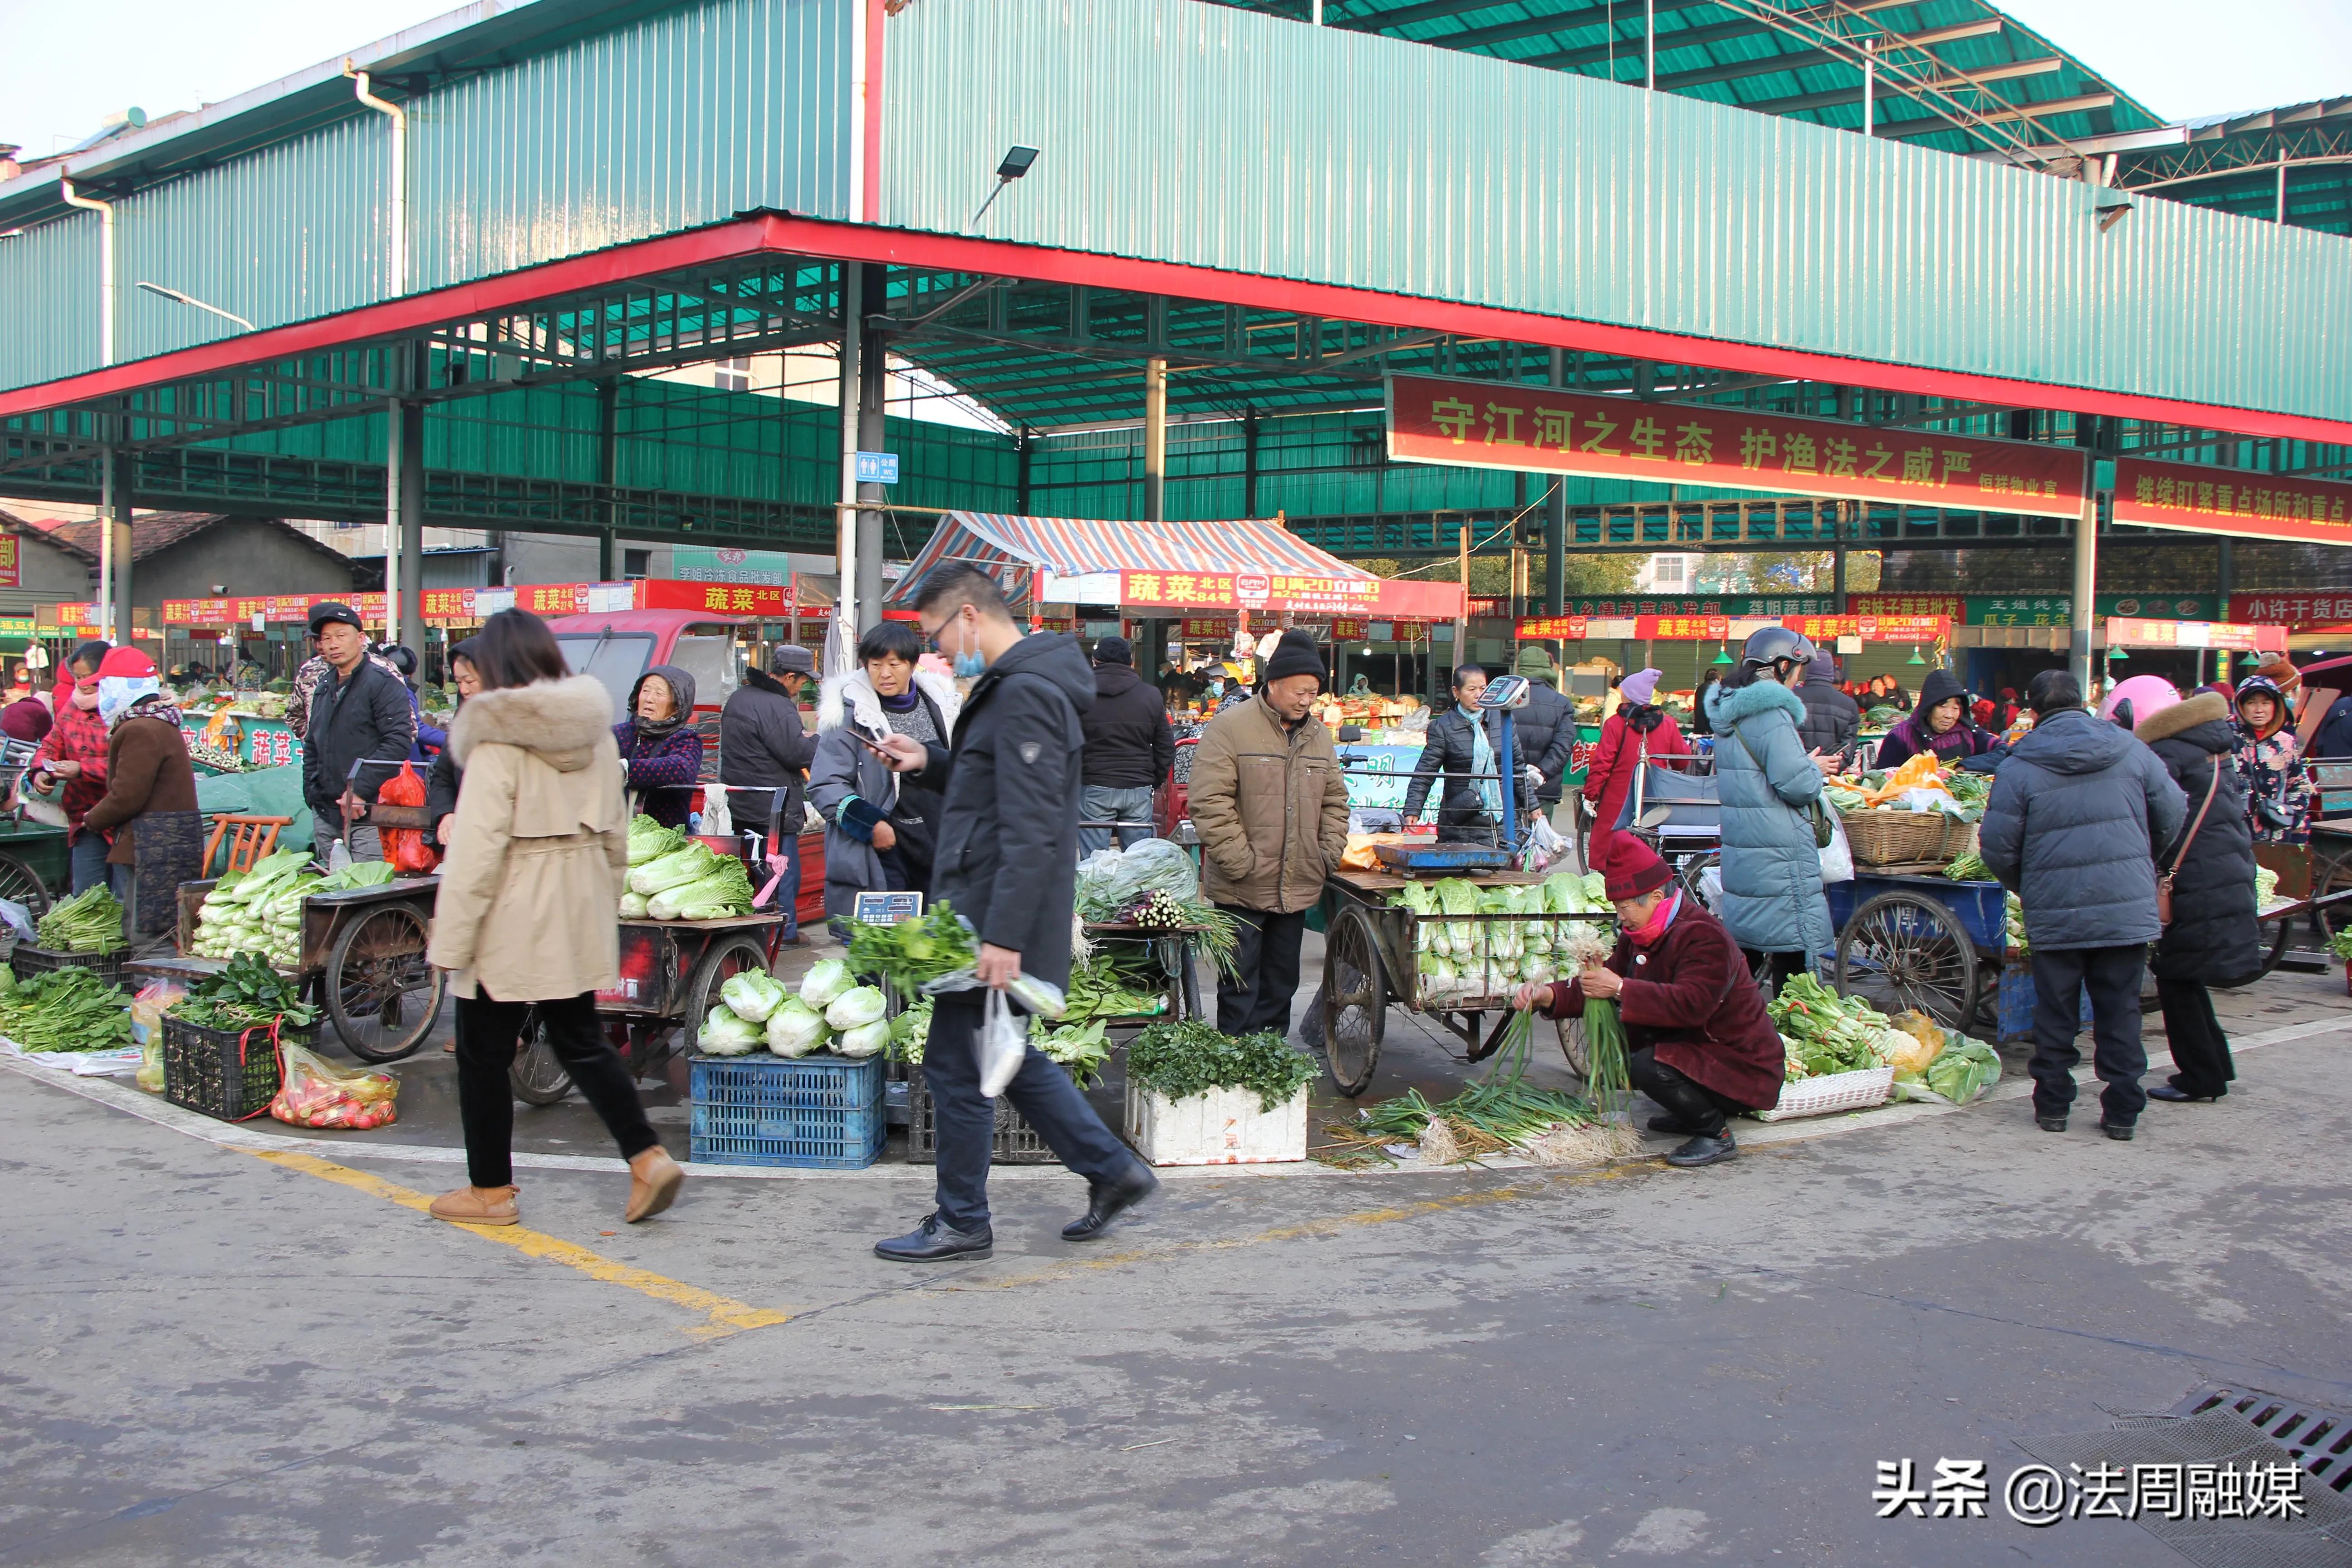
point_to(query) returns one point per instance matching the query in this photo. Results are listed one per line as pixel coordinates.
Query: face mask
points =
(968, 665)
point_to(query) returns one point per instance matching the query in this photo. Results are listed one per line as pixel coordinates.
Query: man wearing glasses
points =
(1006, 860)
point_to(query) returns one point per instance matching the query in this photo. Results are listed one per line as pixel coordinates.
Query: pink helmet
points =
(2148, 694)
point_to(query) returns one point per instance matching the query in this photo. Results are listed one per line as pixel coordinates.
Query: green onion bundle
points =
(1604, 1052)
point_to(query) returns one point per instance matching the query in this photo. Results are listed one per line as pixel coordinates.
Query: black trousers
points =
(1043, 1094)
(1265, 955)
(2111, 975)
(2201, 1051)
(1681, 1096)
(1782, 965)
(488, 1031)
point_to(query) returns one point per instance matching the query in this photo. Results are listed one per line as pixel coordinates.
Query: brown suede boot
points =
(477, 1206)
(654, 1181)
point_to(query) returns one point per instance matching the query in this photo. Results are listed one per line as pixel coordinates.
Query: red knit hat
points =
(128, 663)
(1634, 868)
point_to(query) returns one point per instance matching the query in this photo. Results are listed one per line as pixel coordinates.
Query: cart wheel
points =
(380, 992)
(1576, 1048)
(18, 882)
(1695, 867)
(2279, 942)
(1355, 1003)
(1898, 953)
(727, 958)
(2336, 878)
(537, 1076)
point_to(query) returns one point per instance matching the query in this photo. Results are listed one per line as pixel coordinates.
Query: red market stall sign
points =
(2127, 633)
(9, 568)
(1822, 629)
(2300, 611)
(1542, 429)
(2233, 501)
(267, 607)
(1368, 598)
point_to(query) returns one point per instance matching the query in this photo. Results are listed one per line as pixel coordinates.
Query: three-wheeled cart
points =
(362, 954)
(671, 971)
(1917, 938)
(34, 863)
(1371, 960)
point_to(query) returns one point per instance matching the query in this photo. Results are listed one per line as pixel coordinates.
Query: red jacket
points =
(1609, 777)
(1692, 998)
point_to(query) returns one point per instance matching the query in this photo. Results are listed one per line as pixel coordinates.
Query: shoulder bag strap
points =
(2181, 854)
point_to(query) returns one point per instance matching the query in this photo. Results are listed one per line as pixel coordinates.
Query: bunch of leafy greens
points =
(1822, 1032)
(912, 951)
(1184, 1060)
(649, 840)
(1080, 1048)
(721, 889)
(247, 994)
(66, 1010)
(90, 921)
(1101, 986)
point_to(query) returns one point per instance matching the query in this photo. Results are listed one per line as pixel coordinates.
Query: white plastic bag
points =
(1837, 855)
(1544, 845)
(1003, 1041)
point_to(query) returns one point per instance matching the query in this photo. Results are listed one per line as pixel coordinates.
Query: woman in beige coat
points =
(525, 916)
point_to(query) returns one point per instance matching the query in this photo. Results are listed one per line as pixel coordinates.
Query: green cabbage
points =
(858, 1005)
(674, 870)
(864, 1040)
(824, 982)
(752, 995)
(649, 840)
(632, 906)
(723, 888)
(723, 1034)
(794, 1028)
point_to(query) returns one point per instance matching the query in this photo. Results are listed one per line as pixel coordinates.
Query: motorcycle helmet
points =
(1774, 645)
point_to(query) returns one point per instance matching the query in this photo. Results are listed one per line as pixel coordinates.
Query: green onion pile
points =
(90, 921)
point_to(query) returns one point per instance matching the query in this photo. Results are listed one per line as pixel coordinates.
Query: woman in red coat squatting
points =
(1698, 1039)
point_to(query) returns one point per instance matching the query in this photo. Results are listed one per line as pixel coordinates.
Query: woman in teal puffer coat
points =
(1772, 898)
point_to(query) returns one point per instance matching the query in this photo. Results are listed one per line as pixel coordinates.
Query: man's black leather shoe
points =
(934, 1241)
(1704, 1150)
(1106, 1201)
(2178, 1096)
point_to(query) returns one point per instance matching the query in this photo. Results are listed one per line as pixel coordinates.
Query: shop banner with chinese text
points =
(1539, 429)
(2123, 632)
(2236, 502)
(1366, 598)
(2297, 612)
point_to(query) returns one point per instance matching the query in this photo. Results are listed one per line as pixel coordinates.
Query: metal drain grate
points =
(2321, 1440)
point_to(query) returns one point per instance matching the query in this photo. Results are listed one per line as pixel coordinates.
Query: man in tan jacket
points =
(1271, 808)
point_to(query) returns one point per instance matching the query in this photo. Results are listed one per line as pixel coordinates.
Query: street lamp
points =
(179, 298)
(1015, 164)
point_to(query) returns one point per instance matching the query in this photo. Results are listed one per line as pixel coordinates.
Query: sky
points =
(2184, 58)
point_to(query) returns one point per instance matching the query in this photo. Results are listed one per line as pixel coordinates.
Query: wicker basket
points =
(1959, 838)
(1892, 838)
(1832, 1092)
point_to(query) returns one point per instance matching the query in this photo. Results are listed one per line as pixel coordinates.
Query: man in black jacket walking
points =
(358, 715)
(1007, 861)
(1129, 749)
(1832, 717)
(763, 759)
(1544, 732)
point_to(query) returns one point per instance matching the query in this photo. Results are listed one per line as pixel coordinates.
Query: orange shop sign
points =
(2236, 502)
(1546, 429)
(1871, 628)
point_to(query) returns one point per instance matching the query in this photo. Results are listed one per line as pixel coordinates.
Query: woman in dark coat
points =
(2213, 939)
(1941, 724)
(1698, 1040)
(659, 745)
(1464, 744)
(442, 779)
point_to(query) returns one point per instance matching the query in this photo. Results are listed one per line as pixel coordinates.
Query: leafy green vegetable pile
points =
(2265, 887)
(90, 921)
(1822, 1032)
(912, 951)
(260, 911)
(832, 1013)
(1462, 961)
(1153, 884)
(1115, 985)
(66, 1010)
(1499, 1112)
(1968, 867)
(1184, 1059)
(2340, 944)
(690, 883)
(1082, 1049)
(247, 994)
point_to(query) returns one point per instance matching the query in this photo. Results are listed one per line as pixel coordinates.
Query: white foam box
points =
(1222, 1126)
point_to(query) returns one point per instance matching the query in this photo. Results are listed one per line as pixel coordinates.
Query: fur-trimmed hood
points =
(852, 694)
(561, 720)
(1725, 708)
(2205, 707)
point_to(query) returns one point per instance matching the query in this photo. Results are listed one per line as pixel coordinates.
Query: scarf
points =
(1482, 762)
(1660, 920)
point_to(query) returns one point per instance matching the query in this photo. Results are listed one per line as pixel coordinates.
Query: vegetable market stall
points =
(357, 936)
(1456, 947)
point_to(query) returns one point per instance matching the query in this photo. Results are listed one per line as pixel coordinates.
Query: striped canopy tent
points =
(1014, 549)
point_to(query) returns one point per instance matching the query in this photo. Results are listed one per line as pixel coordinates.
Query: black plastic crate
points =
(1017, 1143)
(28, 960)
(220, 1072)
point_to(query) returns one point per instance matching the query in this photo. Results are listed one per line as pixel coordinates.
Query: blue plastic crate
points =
(2015, 1001)
(810, 1112)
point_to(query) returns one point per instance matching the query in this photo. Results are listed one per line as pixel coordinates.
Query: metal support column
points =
(396, 426)
(117, 594)
(873, 388)
(608, 471)
(847, 625)
(2085, 585)
(1462, 621)
(1023, 456)
(1155, 440)
(409, 613)
(1556, 524)
(1249, 463)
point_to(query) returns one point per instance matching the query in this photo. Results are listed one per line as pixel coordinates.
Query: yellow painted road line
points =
(724, 1315)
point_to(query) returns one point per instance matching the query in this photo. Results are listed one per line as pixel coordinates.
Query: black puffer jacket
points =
(1449, 747)
(765, 754)
(1544, 733)
(2079, 811)
(1128, 742)
(2213, 937)
(1008, 847)
(1830, 717)
(366, 718)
